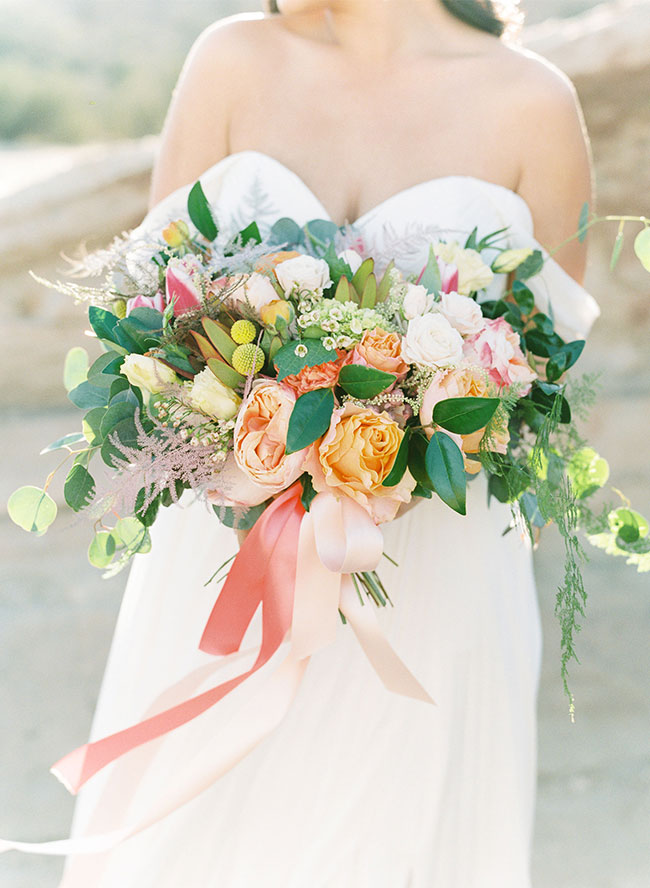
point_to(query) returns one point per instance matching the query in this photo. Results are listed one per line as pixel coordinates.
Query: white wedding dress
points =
(358, 787)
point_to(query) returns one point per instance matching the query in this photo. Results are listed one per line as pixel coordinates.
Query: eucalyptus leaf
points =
(32, 509)
(286, 232)
(79, 488)
(101, 549)
(642, 247)
(530, 266)
(88, 395)
(75, 369)
(66, 441)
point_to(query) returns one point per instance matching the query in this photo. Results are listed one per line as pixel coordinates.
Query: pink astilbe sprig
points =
(161, 459)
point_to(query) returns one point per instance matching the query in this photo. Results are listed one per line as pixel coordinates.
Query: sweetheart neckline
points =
(395, 196)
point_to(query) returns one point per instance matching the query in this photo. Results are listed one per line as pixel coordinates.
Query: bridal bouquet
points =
(292, 377)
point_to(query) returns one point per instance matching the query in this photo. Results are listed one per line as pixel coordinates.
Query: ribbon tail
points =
(246, 730)
(391, 670)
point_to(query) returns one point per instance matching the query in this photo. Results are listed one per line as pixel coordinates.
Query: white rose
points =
(431, 340)
(303, 273)
(253, 291)
(353, 259)
(463, 313)
(473, 273)
(417, 301)
(209, 395)
(148, 373)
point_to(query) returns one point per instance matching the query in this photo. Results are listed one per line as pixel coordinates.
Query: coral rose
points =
(355, 456)
(321, 376)
(261, 436)
(383, 351)
(497, 349)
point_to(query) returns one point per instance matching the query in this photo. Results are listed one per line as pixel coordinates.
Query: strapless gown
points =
(357, 788)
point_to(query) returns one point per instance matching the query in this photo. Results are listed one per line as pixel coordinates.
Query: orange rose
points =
(356, 455)
(383, 351)
(268, 263)
(261, 435)
(321, 376)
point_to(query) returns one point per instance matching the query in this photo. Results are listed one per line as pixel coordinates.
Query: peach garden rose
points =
(260, 438)
(383, 351)
(355, 456)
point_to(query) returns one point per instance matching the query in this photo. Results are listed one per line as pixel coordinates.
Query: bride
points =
(393, 116)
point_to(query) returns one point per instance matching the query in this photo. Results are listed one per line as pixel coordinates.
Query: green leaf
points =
(523, 297)
(286, 232)
(446, 469)
(101, 549)
(531, 266)
(200, 212)
(106, 359)
(628, 525)
(364, 382)
(91, 425)
(583, 222)
(148, 516)
(542, 344)
(544, 403)
(132, 535)
(530, 510)
(462, 416)
(369, 295)
(563, 359)
(66, 441)
(309, 493)
(338, 267)
(362, 274)
(400, 464)
(471, 243)
(250, 234)
(79, 488)
(103, 322)
(118, 421)
(75, 369)
(32, 509)
(225, 373)
(88, 395)
(418, 444)
(642, 247)
(343, 290)
(220, 338)
(310, 419)
(587, 471)
(618, 246)
(288, 363)
(238, 518)
(430, 278)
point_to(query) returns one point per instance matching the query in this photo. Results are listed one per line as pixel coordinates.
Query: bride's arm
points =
(556, 170)
(195, 134)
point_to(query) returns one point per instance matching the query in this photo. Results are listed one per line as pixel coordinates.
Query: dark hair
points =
(487, 15)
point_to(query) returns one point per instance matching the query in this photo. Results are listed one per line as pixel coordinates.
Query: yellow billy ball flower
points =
(243, 332)
(248, 358)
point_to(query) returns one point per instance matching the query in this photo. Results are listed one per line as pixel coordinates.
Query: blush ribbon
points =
(297, 565)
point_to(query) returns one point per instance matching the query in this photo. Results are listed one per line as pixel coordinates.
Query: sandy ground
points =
(593, 813)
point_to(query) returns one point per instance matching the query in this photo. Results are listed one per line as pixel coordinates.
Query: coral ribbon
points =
(296, 564)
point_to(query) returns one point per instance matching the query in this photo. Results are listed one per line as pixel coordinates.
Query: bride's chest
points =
(356, 144)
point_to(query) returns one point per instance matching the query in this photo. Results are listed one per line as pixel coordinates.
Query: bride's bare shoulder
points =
(243, 36)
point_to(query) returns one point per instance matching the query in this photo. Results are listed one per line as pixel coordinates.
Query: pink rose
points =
(261, 436)
(496, 348)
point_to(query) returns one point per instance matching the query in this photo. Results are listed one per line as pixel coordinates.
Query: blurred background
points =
(85, 85)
